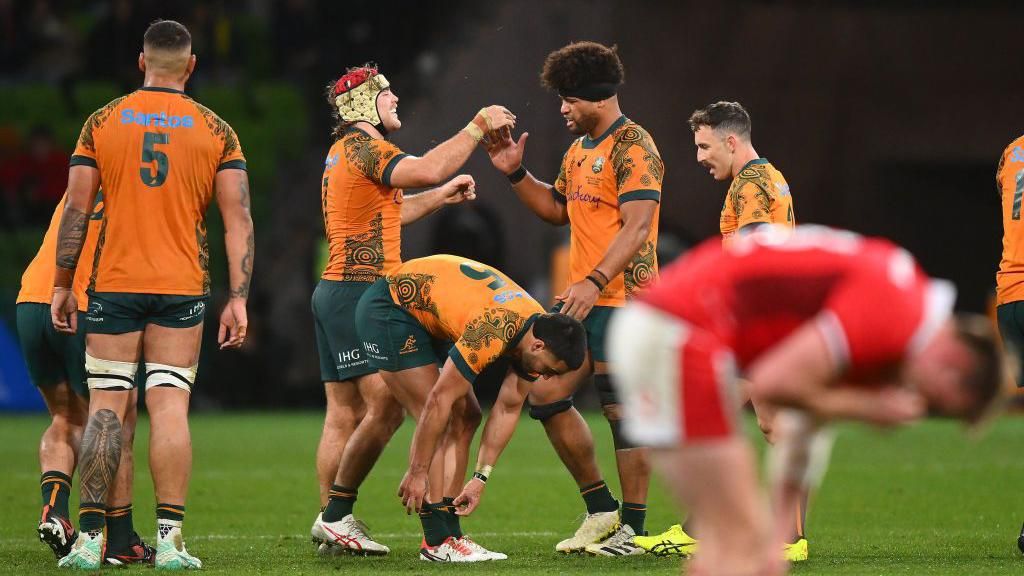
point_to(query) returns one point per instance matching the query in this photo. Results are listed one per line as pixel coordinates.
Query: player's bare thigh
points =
(411, 386)
(172, 346)
(125, 347)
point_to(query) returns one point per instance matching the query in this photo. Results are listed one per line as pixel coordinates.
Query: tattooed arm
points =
(232, 189)
(83, 182)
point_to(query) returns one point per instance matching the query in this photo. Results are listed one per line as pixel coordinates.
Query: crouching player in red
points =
(422, 307)
(826, 324)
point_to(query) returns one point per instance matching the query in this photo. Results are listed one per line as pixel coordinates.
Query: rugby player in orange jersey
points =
(56, 365)
(364, 209)
(414, 315)
(609, 192)
(162, 158)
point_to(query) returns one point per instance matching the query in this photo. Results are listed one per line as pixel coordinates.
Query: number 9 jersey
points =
(158, 152)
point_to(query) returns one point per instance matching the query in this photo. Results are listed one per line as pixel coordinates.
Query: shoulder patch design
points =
(220, 129)
(369, 159)
(622, 162)
(95, 121)
(495, 324)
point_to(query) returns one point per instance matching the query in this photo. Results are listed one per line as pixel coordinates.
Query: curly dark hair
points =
(582, 64)
(729, 116)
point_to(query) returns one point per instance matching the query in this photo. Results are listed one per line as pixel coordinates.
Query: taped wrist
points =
(474, 131)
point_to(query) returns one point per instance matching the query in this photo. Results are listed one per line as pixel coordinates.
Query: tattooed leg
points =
(98, 463)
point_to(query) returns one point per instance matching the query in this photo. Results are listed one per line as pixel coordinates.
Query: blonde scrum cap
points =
(356, 95)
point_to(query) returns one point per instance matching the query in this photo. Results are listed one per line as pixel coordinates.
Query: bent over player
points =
(161, 157)
(608, 191)
(364, 209)
(827, 323)
(417, 312)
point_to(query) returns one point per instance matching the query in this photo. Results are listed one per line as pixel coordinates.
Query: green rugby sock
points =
(56, 489)
(598, 498)
(119, 528)
(451, 518)
(634, 515)
(435, 530)
(91, 517)
(341, 503)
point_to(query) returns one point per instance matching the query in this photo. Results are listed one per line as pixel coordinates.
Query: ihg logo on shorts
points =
(195, 311)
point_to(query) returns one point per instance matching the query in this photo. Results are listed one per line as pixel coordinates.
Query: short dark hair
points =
(729, 116)
(167, 35)
(564, 336)
(994, 364)
(582, 64)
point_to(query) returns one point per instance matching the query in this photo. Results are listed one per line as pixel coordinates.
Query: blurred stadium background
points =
(885, 117)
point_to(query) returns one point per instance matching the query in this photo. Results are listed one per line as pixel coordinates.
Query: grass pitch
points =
(924, 500)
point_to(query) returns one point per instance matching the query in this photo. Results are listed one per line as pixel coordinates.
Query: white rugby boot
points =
(595, 528)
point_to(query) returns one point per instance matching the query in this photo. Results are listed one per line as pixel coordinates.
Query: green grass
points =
(919, 501)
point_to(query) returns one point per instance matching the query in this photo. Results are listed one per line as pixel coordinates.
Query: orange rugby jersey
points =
(1010, 180)
(480, 309)
(596, 177)
(362, 212)
(37, 281)
(158, 152)
(759, 193)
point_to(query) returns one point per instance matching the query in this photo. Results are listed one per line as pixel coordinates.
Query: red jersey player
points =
(826, 323)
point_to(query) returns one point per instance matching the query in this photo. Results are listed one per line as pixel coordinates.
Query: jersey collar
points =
(590, 144)
(161, 89)
(753, 162)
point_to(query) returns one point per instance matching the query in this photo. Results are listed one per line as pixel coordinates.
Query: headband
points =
(591, 92)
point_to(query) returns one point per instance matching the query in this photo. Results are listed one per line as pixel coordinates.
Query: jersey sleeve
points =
(485, 338)
(231, 155)
(375, 159)
(884, 312)
(639, 170)
(85, 148)
(558, 190)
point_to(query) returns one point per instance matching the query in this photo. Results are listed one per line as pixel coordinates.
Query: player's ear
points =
(142, 62)
(191, 66)
(730, 141)
(537, 346)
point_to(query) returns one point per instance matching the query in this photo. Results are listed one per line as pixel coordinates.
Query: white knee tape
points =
(166, 375)
(802, 452)
(109, 374)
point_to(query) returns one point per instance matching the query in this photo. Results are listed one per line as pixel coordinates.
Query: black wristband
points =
(595, 281)
(517, 176)
(480, 477)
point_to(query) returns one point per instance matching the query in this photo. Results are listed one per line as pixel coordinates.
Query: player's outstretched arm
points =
(232, 189)
(456, 190)
(83, 182)
(497, 432)
(451, 385)
(446, 158)
(507, 156)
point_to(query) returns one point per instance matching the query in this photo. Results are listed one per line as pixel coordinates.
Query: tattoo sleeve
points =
(100, 455)
(241, 289)
(74, 225)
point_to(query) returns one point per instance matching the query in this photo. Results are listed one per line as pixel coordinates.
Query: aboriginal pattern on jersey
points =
(100, 241)
(999, 175)
(622, 161)
(95, 121)
(494, 324)
(219, 128)
(364, 253)
(204, 254)
(368, 159)
(413, 291)
(758, 176)
(641, 270)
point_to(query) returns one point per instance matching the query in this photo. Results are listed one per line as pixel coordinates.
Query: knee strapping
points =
(545, 411)
(109, 374)
(166, 375)
(605, 391)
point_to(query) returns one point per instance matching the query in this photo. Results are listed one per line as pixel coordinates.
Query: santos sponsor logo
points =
(161, 119)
